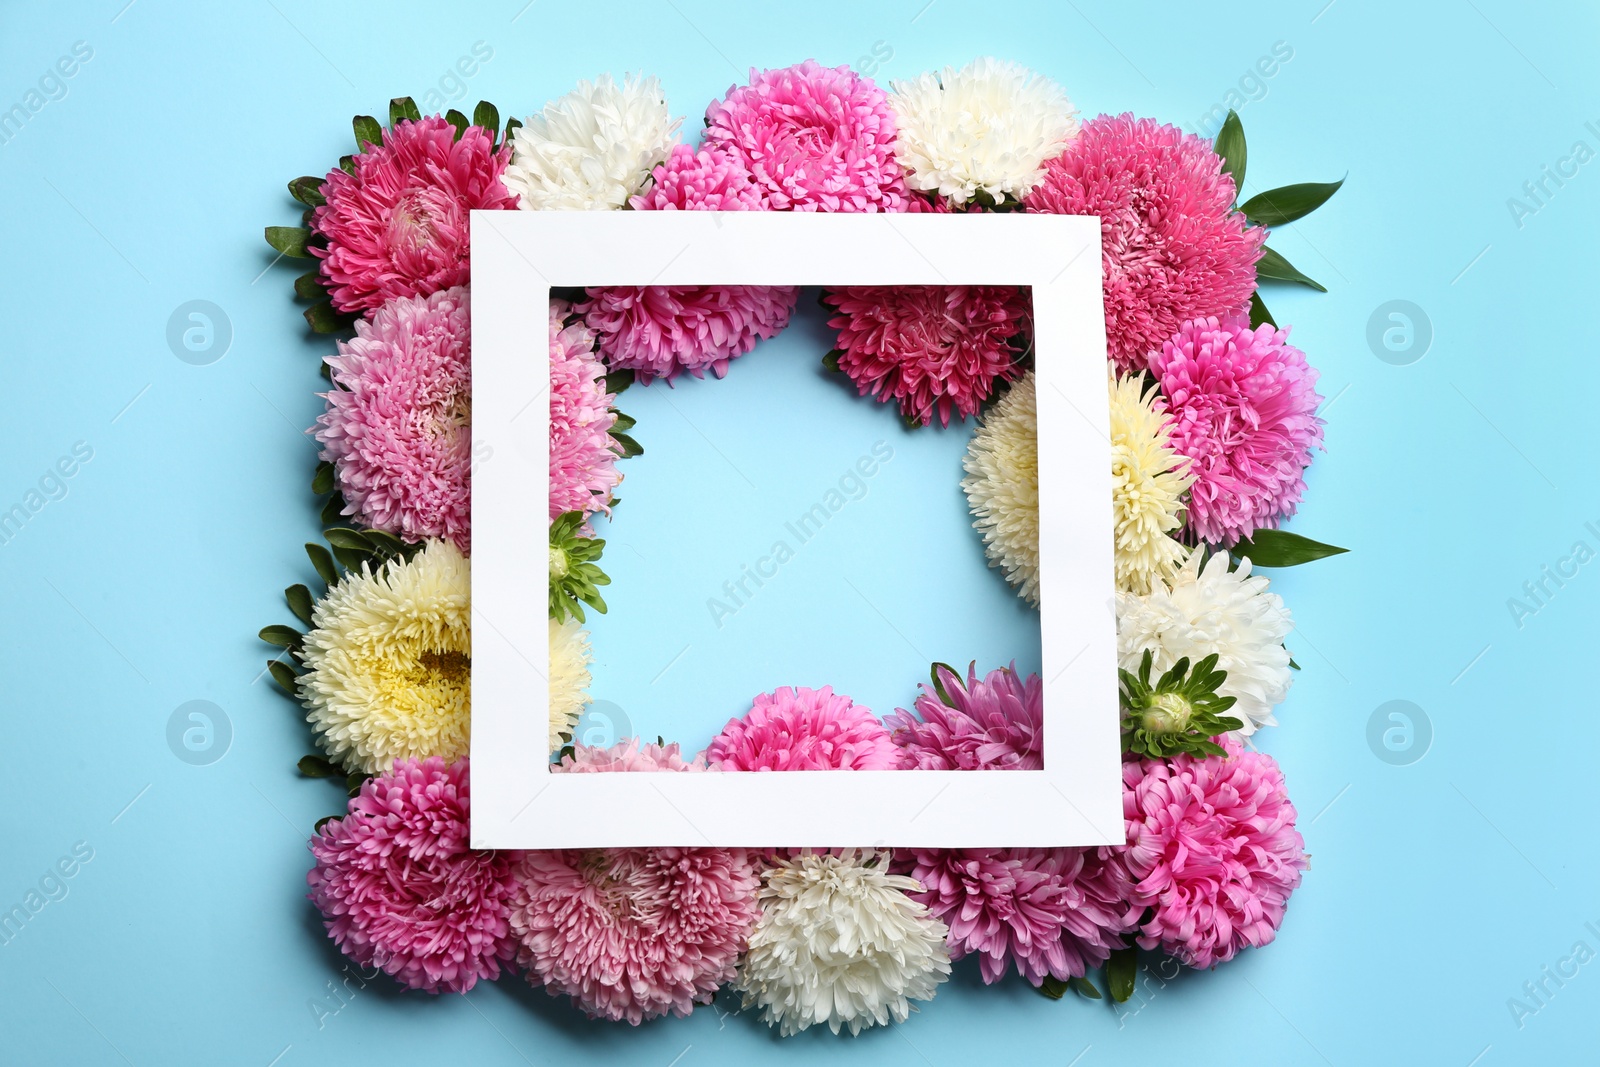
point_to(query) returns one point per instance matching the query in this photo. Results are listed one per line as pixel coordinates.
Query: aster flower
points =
(1049, 912)
(1148, 480)
(1209, 609)
(575, 571)
(936, 349)
(1002, 486)
(993, 724)
(1213, 851)
(699, 180)
(398, 428)
(629, 755)
(1243, 406)
(402, 889)
(1172, 247)
(981, 133)
(813, 138)
(804, 730)
(840, 942)
(570, 657)
(633, 933)
(396, 224)
(657, 331)
(583, 454)
(593, 148)
(388, 661)
(1179, 712)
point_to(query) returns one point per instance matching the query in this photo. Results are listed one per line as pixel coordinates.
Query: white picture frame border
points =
(517, 802)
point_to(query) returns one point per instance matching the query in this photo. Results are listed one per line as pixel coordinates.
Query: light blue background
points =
(1438, 888)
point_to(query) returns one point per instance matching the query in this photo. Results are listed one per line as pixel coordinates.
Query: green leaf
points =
(322, 480)
(314, 766)
(618, 380)
(487, 116)
(309, 285)
(347, 164)
(1280, 548)
(1053, 987)
(333, 510)
(403, 107)
(325, 820)
(350, 559)
(513, 124)
(282, 636)
(830, 361)
(1293, 666)
(354, 781)
(323, 319)
(1289, 202)
(938, 686)
(1272, 265)
(289, 240)
(367, 131)
(630, 447)
(1121, 970)
(322, 560)
(1084, 987)
(458, 120)
(1230, 146)
(299, 598)
(344, 537)
(1259, 313)
(284, 675)
(308, 191)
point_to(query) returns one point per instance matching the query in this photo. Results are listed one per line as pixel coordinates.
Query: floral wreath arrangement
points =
(1213, 423)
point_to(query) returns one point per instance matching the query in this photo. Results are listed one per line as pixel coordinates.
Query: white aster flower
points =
(1002, 486)
(593, 148)
(1148, 480)
(989, 127)
(570, 657)
(840, 942)
(389, 662)
(1212, 609)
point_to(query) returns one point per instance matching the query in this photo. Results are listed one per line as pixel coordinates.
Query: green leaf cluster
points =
(1180, 712)
(575, 574)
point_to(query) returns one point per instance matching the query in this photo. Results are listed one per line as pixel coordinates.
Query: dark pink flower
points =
(659, 330)
(993, 724)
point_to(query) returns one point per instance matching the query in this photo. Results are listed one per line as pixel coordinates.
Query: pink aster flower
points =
(659, 330)
(1212, 849)
(700, 181)
(1242, 406)
(402, 889)
(936, 349)
(804, 730)
(583, 455)
(1172, 247)
(1050, 912)
(634, 933)
(813, 138)
(398, 226)
(993, 724)
(629, 755)
(398, 427)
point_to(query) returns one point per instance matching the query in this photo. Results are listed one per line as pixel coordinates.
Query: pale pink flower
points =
(804, 730)
(583, 454)
(993, 724)
(657, 331)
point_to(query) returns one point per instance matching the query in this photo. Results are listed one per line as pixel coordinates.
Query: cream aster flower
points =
(388, 662)
(593, 148)
(569, 679)
(988, 127)
(840, 942)
(1206, 609)
(1002, 486)
(1147, 486)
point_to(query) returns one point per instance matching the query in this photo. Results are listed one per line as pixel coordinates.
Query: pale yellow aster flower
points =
(1002, 486)
(1148, 480)
(569, 679)
(389, 662)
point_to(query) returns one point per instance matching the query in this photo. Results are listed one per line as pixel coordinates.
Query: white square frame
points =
(519, 803)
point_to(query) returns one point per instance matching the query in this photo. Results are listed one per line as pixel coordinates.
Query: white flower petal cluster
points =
(593, 148)
(1206, 609)
(840, 942)
(1002, 486)
(1148, 480)
(989, 126)
(570, 657)
(389, 662)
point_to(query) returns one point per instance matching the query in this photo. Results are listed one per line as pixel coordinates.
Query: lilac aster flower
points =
(993, 724)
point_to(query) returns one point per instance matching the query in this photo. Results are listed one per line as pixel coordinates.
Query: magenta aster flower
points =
(583, 455)
(936, 349)
(1050, 912)
(401, 888)
(1212, 849)
(804, 730)
(398, 226)
(659, 330)
(993, 724)
(700, 181)
(1172, 247)
(813, 138)
(398, 429)
(1242, 406)
(629, 755)
(634, 933)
